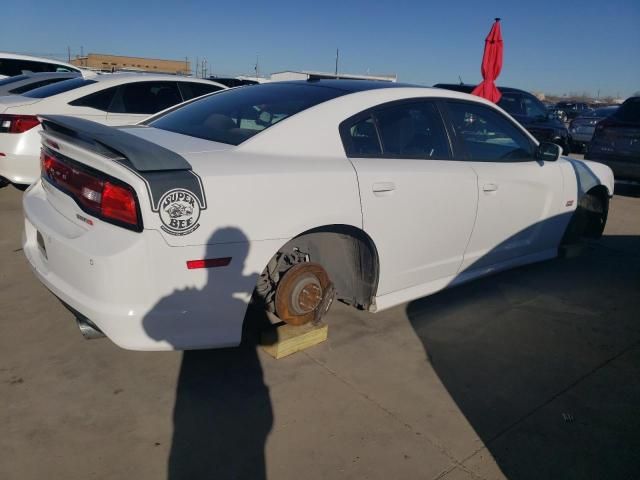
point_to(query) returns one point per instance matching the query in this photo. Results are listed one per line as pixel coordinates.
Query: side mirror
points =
(548, 152)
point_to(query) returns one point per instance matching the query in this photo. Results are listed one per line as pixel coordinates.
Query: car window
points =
(512, 103)
(31, 86)
(533, 108)
(488, 136)
(412, 130)
(233, 116)
(145, 97)
(9, 80)
(191, 90)
(361, 139)
(629, 111)
(99, 100)
(56, 88)
(14, 66)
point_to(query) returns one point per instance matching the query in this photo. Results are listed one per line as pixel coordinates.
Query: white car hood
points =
(176, 142)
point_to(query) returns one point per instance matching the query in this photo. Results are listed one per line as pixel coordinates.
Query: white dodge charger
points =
(290, 195)
(112, 99)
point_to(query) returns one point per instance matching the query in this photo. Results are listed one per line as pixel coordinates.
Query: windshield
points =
(56, 88)
(524, 105)
(236, 115)
(9, 80)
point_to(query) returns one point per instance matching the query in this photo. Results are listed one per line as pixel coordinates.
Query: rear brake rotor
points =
(300, 292)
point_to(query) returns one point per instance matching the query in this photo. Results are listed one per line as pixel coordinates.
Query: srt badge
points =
(179, 211)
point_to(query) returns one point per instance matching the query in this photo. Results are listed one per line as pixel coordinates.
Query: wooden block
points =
(284, 339)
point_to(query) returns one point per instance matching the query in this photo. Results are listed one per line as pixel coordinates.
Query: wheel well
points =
(348, 255)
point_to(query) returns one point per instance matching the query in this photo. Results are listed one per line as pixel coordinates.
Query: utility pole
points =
(197, 64)
(81, 51)
(69, 54)
(186, 66)
(337, 58)
(256, 68)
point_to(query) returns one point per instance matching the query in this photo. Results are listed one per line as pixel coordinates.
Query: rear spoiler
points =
(143, 155)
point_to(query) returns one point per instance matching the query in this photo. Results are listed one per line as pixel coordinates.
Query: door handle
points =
(490, 187)
(383, 188)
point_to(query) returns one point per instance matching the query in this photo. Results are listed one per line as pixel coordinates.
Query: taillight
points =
(95, 192)
(17, 123)
(119, 203)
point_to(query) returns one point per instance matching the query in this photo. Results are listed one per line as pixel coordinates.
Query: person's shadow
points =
(222, 413)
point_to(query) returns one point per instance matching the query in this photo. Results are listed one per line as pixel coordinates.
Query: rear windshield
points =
(629, 111)
(236, 115)
(9, 80)
(56, 88)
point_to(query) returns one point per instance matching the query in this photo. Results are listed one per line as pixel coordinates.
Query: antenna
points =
(256, 68)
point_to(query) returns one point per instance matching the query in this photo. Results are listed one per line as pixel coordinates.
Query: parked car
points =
(571, 110)
(616, 141)
(527, 110)
(582, 127)
(12, 64)
(112, 99)
(232, 81)
(20, 84)
(292, 193)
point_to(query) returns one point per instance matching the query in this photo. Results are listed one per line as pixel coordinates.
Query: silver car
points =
(581, 128)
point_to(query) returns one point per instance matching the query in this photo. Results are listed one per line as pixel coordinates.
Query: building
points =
(307, 75)
(109, 63)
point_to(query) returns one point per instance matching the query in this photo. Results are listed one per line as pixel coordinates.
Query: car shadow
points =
(222, 414)
(525, 354)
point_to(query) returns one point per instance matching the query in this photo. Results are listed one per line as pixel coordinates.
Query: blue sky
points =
(555, 47)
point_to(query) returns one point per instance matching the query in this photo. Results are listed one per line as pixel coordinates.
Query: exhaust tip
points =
(88, 330)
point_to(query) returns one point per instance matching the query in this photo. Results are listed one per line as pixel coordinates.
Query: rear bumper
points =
(133, 286)
(20, 156)
(19, 169)
(623, 167)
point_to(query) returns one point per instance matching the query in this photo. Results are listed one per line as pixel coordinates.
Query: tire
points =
(588, 221)
(596, 213)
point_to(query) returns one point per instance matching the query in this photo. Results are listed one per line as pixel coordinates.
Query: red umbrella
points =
(491, 65)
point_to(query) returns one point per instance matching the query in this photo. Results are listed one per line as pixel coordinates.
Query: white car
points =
(159, 235)
(111, 99)
(12, 64)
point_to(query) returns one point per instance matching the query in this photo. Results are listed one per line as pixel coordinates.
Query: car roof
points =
(126, 77)
(17, 56)
(468, 88)
(350, 86)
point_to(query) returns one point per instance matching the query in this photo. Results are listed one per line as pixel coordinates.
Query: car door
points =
(418, 205)
(519, 197)
(135, 101)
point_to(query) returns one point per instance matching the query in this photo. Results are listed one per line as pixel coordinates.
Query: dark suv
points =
(529, 111)
(616, 141)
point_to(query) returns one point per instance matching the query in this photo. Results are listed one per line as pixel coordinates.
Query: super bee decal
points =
(179, 212)
(177, 196)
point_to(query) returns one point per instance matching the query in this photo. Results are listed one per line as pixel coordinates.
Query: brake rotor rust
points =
(300, 291)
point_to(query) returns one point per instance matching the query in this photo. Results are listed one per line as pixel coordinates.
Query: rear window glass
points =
(56, 88)
(236, 115)
(34, 85)
(9, 80)
(629, 111)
